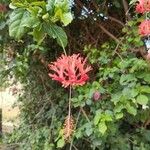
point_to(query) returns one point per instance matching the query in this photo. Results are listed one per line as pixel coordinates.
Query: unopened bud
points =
(96, 96)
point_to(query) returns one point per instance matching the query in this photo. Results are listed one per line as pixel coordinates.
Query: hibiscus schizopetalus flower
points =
(143, 6)
(70, 70)
(144, 28)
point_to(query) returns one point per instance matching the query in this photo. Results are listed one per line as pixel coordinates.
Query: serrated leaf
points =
(142, 99)
(38, 34)
(116, 97)
(50, 6)
(145, 89)
(102, 127)
(89, 131)
(18, 23)
(146, 77)
(32, 22)
(130, 109)
(78, 134)
(66, 18)
(107, 116)
(97, 119)
(119, 108)
(57, 33)
(119, 115)
(60, 143)
(134, 92)
(126, 79)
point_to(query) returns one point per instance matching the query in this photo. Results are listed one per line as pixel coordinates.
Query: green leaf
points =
(134, 92)
(38, 34)
(50, 6)
(35, 11)
(21, 5)
(18, 23)
(146, 77)
(89, 129)
(32, 22)
(78, 134)
(60, 143)
(126, 79)
(40, 3)
(130, 109)
(116, 97)
(145, 89)
(142, 99)
(58, 14)
(107, 116)
(97, 119)
(118, 108)
(57, 32)
(66, 18)
(102, 127)
(119, 115)
(132, 1)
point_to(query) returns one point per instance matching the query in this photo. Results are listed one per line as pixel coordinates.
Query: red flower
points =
(139, 8)
(70, 70)
(143, 6)
(144, 28)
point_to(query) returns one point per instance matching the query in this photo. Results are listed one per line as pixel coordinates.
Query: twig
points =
(116, 20)
(84, 113)
(108, 33)
(74, 147)
(115, 51)
(126, 9)
(100, 26)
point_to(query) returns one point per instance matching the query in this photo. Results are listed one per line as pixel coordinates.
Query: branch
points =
(116, 20)
(108, 33)
(115, 51)
(126, 8)
(84, 113)
(100, 26)
(95, 5)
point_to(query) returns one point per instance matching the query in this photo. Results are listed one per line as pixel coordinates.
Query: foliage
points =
(124, 107)
(119, 120)
(41, 17)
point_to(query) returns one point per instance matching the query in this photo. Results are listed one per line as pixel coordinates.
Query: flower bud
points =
(96, 96)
